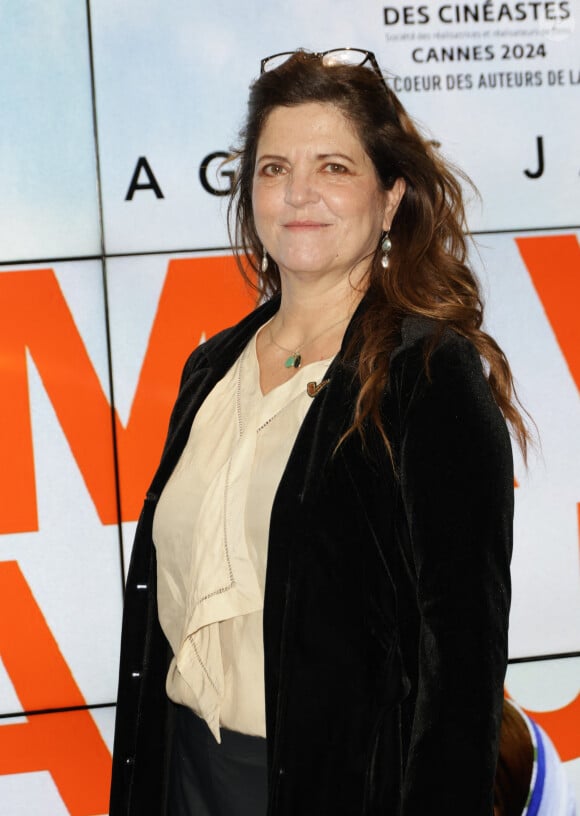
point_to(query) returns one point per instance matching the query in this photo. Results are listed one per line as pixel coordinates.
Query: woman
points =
(338, 476)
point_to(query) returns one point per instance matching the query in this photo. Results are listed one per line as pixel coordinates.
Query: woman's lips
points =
(304, 225)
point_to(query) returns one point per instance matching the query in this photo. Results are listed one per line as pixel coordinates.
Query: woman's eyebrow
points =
(319, 156)
(335, 156)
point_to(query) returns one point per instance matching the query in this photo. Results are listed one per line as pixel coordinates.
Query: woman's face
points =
(319, 208)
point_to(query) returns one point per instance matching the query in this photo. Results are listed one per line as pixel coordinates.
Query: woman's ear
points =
(393, 199)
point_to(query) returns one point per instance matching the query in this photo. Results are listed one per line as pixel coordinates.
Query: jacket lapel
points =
(329, 416)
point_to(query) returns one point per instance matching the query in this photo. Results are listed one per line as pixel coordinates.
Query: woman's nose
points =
(301, 189)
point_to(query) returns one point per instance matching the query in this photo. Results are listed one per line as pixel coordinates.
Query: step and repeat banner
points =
(114, 264)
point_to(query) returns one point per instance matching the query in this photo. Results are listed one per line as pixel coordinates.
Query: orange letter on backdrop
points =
(553, 262)
(200, 295)
(67, 744)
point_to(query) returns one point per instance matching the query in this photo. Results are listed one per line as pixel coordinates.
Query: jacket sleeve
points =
(456, 477)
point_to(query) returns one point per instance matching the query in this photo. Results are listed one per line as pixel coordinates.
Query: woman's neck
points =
(307, 308)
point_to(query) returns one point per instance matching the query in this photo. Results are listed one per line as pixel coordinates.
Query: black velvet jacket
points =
(387, 597)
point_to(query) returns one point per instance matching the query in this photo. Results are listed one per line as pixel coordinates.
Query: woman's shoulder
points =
(427, 348)
(441, 401)
(437, 372)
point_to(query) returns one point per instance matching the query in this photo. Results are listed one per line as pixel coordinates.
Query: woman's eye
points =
(335, 168)
(272, 170)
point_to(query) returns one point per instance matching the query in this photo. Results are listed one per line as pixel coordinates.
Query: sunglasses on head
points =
(335, 56)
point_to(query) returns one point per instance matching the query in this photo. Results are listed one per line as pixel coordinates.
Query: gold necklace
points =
(294, 360)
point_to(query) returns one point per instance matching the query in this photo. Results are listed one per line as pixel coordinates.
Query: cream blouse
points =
(210, 531)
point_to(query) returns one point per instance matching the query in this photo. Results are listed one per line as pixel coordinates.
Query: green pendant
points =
(293, 361)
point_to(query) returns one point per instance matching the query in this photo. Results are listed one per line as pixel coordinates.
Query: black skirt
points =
(215, 779)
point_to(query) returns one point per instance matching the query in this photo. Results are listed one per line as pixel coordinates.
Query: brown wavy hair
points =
(427, 273)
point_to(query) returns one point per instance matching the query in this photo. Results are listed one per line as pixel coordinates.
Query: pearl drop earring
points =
(386, 246)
